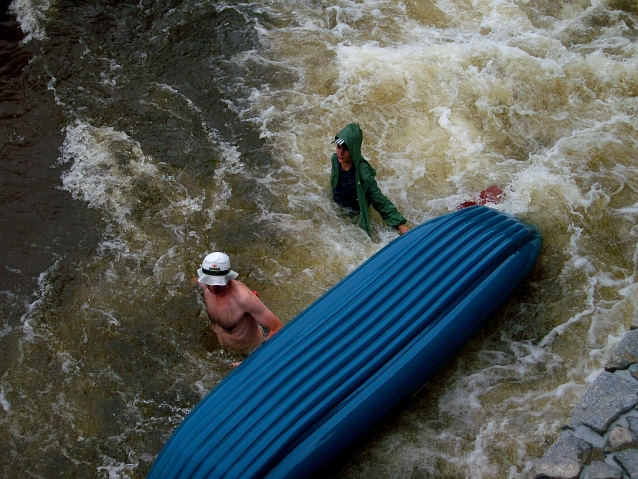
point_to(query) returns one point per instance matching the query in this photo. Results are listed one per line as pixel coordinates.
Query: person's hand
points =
(402, 229)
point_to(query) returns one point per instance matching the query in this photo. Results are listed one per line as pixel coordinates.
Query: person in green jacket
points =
(353, 184)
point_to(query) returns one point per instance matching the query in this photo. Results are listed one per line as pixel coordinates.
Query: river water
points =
(138, 135)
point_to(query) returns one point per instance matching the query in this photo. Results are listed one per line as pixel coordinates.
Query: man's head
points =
(215, 270)
(343, 153)
(351, 137)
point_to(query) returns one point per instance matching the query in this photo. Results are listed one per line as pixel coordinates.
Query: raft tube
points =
(344, 362)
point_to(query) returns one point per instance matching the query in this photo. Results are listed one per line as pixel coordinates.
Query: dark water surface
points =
(53, 428)
(41, 226)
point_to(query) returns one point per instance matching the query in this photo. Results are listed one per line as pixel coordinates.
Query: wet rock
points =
(611, 399)
(626, 353)
(602, 470)
(628, 459)
(607, 398)
(564, 459)
(588, 435)
(619, 439)
(632, 421)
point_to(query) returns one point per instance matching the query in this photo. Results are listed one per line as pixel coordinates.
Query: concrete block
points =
(564, 459)
(602, 470)
(625, 354)
(619, 439)
(606, 399)
(628, 459)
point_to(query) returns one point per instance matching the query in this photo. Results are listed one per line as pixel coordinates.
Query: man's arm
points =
(258, 310)
(385, 207)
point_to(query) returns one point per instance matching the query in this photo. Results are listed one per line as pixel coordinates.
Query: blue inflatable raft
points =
(344, 362)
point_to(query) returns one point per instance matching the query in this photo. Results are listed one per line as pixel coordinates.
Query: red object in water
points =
(492, 194)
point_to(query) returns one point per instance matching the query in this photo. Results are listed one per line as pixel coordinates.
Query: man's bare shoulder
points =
(239, 289)
(236, 285)
(245, 296)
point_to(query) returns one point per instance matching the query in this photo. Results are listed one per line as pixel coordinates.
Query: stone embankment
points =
(600, 439)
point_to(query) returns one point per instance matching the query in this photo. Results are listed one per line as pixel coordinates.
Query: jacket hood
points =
(353, 136)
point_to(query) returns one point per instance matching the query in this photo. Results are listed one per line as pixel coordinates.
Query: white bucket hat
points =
(215, 270)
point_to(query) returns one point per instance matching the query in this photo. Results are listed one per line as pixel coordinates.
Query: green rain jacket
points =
(368, 192)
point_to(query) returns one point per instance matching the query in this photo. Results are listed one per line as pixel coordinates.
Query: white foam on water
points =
(95, 176)
(115, 469)
(31, 15)
(43, 295)
(6, 405)
(109, 171)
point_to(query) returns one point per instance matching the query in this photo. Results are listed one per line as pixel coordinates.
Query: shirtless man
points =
(237, 315)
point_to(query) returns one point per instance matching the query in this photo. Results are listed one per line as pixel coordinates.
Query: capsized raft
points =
(345, 361)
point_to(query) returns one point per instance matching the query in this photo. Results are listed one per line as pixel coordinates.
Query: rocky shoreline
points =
(600, 439)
